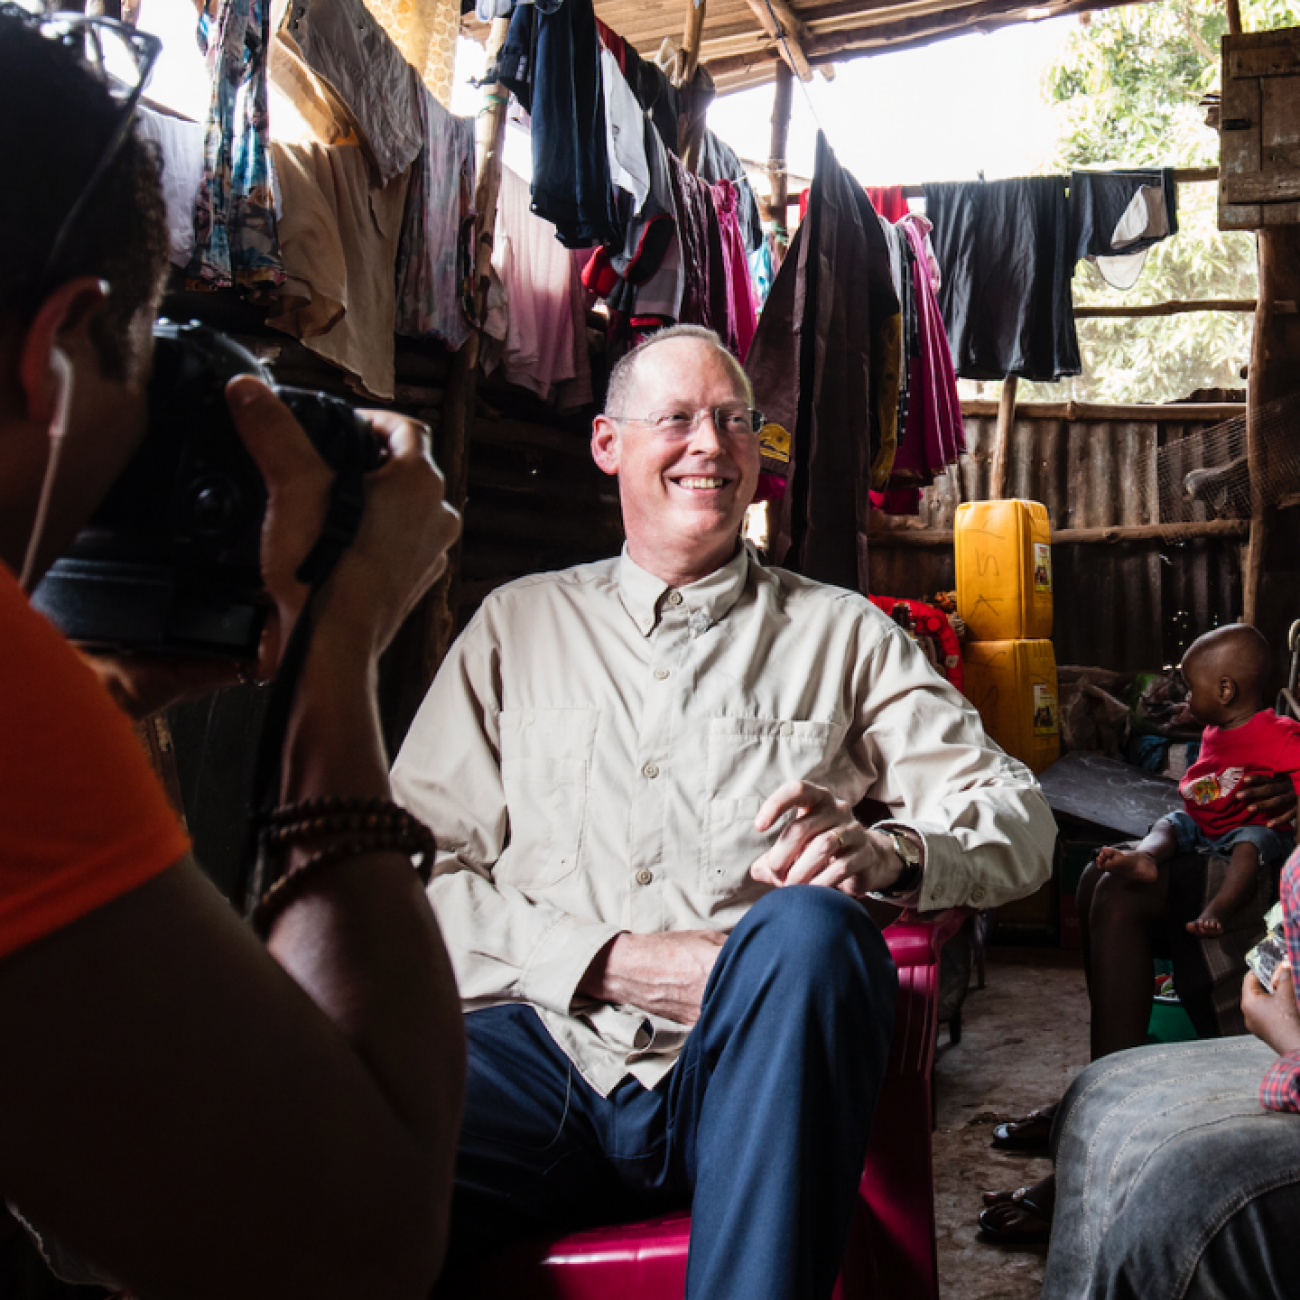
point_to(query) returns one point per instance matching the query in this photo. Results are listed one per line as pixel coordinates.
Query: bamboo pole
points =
(790, 49)
(796, 33)
(1002, 438)
(782, 103)
(1114, 533)
(1168, 308)
(1171, 413)
(691, 40)
(1182, 175)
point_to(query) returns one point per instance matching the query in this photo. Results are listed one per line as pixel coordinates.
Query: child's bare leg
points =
(1141, 864)
(1236, 891)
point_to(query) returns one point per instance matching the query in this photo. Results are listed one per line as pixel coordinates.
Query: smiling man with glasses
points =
(644, 773)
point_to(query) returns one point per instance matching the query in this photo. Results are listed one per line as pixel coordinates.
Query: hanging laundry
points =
(654, 92)
(1007, 265)
(742, 315)
(1115, 216)
(180, 147)
(340, 64)
(705, 296)
(907, 345)
(434, 269)
(811, 365)
(235, 237)
(718, 162)
(617, 275)
(544, 342)
(889, 201)
(551, 62)
(761, 271)
(624, 134)
(340, 233)
(935, 433)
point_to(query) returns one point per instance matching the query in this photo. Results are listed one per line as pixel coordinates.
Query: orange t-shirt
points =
(82, 818)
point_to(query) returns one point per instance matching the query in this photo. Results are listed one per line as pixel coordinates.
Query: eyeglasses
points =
(121, 59)
(730, 421)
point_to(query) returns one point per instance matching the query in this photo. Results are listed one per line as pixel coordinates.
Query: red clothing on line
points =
(82, 818)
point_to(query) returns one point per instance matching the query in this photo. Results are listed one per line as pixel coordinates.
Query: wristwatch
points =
(910, 856)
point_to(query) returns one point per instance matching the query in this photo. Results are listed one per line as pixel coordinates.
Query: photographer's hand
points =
(400, 548)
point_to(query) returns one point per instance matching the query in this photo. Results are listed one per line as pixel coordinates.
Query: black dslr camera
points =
(169, 562)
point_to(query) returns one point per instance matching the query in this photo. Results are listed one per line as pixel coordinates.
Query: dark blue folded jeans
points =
(761, 1126)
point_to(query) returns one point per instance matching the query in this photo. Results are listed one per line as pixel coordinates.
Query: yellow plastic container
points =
(1013, 685)
(1004, 569)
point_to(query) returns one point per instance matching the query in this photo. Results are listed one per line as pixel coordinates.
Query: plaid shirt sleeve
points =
(1281, 1087)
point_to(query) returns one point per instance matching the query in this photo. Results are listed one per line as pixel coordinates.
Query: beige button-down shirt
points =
(597, 744)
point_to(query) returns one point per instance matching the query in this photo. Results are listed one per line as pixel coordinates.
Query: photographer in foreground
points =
(197, 1117)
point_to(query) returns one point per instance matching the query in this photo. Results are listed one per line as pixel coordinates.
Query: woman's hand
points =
(1273, 795)
(1274, 1017)
(400, 547)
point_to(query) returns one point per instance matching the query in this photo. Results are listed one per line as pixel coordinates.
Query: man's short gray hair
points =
(623, 375)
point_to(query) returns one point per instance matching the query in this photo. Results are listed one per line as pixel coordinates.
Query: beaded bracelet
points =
(370, 825)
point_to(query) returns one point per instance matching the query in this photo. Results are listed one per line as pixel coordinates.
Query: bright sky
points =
(944, 111)
(940, 112)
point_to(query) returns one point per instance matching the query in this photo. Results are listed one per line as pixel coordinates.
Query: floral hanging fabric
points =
(235, 237)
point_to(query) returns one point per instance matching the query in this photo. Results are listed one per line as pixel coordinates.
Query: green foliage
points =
(1126, 92)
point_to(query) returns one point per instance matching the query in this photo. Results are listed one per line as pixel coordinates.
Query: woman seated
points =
(1179, 1166)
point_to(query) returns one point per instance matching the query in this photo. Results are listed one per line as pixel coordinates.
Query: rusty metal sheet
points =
(1120, 605)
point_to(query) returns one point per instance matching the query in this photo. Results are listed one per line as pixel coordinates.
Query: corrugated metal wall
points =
(1119, 605)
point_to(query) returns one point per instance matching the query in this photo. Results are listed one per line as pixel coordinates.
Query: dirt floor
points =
(1024, 1037)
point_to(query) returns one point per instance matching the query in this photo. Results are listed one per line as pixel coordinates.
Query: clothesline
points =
(1182, 176)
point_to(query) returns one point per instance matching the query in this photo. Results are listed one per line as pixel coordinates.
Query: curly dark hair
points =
(58, 119)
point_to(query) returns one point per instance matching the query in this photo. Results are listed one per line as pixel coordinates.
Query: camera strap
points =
(342, 520)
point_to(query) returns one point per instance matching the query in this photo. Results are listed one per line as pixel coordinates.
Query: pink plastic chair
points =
(891, 1248)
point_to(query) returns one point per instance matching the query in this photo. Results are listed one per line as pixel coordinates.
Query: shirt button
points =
(660, 674)
(674, 597)
(977, 893)
(787, 728)
(650, 771)
(644, 877)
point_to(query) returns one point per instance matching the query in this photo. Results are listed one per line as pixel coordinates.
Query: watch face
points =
(905, 849)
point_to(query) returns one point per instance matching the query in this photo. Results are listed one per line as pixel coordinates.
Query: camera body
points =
(169, 563)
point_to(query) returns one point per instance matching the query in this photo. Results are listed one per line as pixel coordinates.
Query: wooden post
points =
(1271, 566)
(1234, 18)
(691, 39)
(778, 177)
(1002, 438)
(1256, 385)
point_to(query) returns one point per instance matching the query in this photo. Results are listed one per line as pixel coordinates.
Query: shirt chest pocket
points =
(546, 773)
(748, 759)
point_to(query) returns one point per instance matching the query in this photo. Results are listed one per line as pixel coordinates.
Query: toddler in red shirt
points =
(1226, 671)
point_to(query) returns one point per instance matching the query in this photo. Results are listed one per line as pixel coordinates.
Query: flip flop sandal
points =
(1029, 1133)
(1012, 1219)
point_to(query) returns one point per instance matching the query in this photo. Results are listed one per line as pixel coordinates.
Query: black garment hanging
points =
(1004, 253)
(552, 64)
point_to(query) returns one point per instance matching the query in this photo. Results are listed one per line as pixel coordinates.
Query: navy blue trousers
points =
(761, 1126)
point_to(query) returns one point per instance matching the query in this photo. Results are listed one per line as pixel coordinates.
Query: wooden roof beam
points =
(738, 71)
(789, 42)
